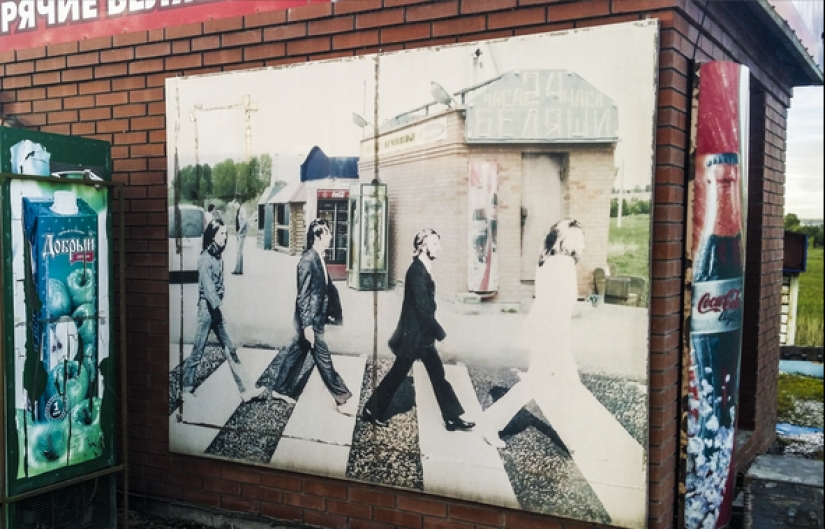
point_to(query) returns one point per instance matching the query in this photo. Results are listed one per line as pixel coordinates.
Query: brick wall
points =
(112, 88)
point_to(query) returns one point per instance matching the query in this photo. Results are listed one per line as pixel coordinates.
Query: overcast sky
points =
(804, 165)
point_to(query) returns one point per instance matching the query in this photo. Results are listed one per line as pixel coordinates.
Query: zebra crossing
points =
(596, 474)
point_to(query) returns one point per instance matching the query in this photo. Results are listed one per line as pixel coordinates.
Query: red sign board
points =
(333, 193)
(29, 23)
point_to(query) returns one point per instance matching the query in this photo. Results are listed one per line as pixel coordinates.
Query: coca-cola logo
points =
(724, 303)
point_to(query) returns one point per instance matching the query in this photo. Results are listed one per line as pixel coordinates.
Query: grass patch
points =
(793, 392)
(628, 251)
(809, 313)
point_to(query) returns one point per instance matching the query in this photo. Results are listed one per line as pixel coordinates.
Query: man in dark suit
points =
(316, 304)
(414, 339)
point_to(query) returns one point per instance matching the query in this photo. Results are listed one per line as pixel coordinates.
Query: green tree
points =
(792, 222)
(224, 180)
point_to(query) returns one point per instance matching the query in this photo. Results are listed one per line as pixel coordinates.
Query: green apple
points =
(84, 316)
(86, 438)
(82, 285)
(47, 444)
(58, 300)
(69, 385)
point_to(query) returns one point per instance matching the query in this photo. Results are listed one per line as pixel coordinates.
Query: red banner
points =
(31, 23)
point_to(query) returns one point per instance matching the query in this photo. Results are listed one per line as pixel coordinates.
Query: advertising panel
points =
(716, 292)
(284, 364)
(61, 408)
(28, 24)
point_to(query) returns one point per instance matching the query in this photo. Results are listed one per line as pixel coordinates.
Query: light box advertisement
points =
(506, 362)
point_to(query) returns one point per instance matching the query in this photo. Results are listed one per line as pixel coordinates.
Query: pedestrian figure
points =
(414, 339)
(241, 227)
(316, 305)
(546, 329)
(211, 292)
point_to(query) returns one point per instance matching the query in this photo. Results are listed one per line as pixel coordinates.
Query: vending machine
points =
(367, 252)
(59, 394)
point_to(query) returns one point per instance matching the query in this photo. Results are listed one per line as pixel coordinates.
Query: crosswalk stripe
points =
(318, 438)
(458, 464)
(608, 457)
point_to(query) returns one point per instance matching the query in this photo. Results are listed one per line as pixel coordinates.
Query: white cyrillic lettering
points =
(65, 8)
(8, 12)
(26, 12)
(48, 9)
(116, 7)
(88, 10)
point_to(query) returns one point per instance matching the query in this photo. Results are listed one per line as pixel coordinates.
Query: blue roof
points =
(318, 166)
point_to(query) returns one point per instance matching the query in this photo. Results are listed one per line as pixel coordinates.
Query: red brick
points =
(31, 53)
(184, 31)
(14, 83)
(53, 63)
(309, 12)
(79, 102)
(243, 38)
(358, 39)
(62, 48)
(20, 68)
(372, 496)
(66, 116)
(578, 10)
(329, 26)
(158, 49)
(527, 521)
(266, 51)
(460, 26)
(484, 6)
(343, 7)
(223, 25)
(307, 46)
(326, 488)
(222, 57)
(47, 105)
(476, 514)
(280, 511)
(636, 6)
(95, 114)
(111, 70)
(435, 523)
(522, 17)
(142, 67)
(432, 11)
(317, 519)
(31, 94)
(400, 519)
(304, 501)
(385, 17)
(117, 55)
(99, 43)
(267, 18)
(419, 505)
(184, 62)
(129, 111)
(349, 509)
(291, 31)
(405, 33)
(129, 39)
(46, 78)
(209, 42)
(83, 59)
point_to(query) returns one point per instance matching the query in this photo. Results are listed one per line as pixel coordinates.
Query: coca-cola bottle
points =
(716, 311)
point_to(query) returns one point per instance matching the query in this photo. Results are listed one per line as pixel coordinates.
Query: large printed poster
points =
(507, 361)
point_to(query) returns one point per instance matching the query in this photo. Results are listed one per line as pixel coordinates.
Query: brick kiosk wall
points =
(113, 89)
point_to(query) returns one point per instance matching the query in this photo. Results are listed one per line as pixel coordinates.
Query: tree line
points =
(814, 233)
(227, 180)
(634, 206)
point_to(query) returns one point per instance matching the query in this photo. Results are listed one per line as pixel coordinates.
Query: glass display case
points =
(367, 256)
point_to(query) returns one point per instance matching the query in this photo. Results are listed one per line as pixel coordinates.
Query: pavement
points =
(483, 352)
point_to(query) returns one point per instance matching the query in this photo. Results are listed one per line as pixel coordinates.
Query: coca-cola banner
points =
(401, 269)
(27, 24)
(716, 293)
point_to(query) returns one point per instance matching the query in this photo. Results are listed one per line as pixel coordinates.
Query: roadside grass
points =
(809, 314)
(628, 250)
